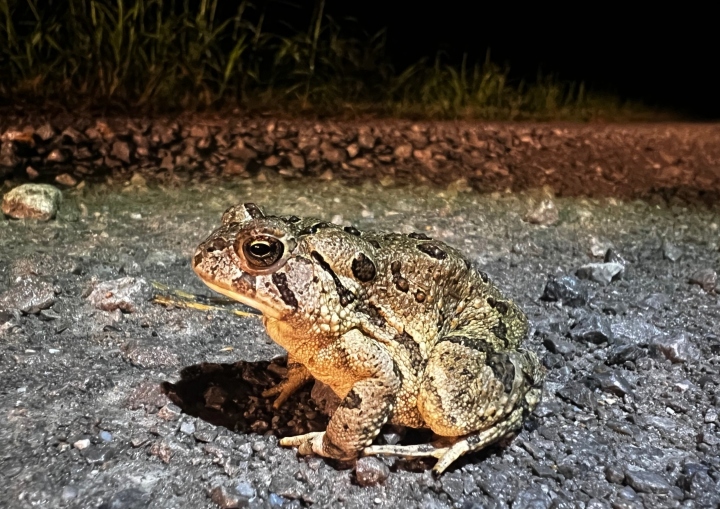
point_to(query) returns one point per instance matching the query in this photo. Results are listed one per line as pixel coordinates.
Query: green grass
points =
(159, 55)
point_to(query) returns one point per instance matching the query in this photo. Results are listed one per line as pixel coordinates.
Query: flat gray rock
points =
(32, 201)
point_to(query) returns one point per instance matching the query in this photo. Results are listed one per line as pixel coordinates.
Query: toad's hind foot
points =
(447, 455)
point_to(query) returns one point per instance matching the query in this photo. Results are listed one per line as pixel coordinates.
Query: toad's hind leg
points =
(477, 396)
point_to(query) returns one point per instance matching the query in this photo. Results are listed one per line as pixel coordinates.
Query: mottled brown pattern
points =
(398, 326)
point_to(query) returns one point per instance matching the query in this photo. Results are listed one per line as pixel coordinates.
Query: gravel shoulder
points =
(111, 400)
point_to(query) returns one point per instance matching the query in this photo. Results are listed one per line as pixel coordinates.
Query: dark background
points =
(666, 57)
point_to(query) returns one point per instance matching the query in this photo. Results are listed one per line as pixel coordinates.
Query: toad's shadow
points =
(230, 395)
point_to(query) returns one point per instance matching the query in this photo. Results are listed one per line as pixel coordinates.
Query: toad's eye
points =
(261, 252)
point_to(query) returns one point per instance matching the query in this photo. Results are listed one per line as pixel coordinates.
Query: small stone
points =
(677, 348)
(612, 256)
(543, 471)
(276, 500)
(58, 156)
(598, 247)
(71, 135)
(422, 154)
(332, 154)
(170, 412)
(709, 437)
(233, 167)
(224, 498)
(29, 294)
(187, 427)
(32, 173)
(578, 394)
(567, 289)
(711, 415)
(69, 493)
(297, 161)
(245, 490)
(352, 150)
(146, 395)
(545, 213)
(45, 132)
(162, 451)
(594, 329)
(272, 161)
(99, 455)
(370, 471)
(366, 139)
(121, 151)
(646, 482)
(705, 278)
(556, 345)
(82, 444)
(66, 179)
(403, 151)
(612, 382)
(614, 474)
(603, 273)
(138, 181)
(123, 294)
(215, 397)
(32, 201)
(655, 301)
(205, 435)
(621, 353)
(453, 485)
(671, 251)
(106, 436)
(634, 330)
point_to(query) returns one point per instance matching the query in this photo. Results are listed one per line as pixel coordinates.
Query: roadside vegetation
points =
(163, 55)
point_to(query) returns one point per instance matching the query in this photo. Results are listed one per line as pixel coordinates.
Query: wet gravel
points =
(111, 400)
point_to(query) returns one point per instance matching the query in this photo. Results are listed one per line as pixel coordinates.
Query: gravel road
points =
(112, 400)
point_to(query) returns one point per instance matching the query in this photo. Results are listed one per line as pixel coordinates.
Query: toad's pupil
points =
(260, 249)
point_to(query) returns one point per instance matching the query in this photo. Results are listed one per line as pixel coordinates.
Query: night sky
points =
(664, 57)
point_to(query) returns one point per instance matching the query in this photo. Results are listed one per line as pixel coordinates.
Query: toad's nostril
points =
(216, 245)
(197, 259)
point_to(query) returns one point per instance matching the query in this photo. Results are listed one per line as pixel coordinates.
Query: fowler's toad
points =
(401, 327)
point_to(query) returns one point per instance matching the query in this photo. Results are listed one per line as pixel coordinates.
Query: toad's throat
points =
(244, 299)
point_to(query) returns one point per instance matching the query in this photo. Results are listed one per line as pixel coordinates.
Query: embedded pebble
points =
(69, 493)
(124, 294)
(671, 251)
(603, 273)
(705, 278)
(676, 348)
(578, 394)
(245, 490)
(370, 471)
(29, 295)
(611, 381)
(566, 289)
(624, 352)
(646, 482)
(594, 329)
(82, 444)
(545, 213)
(224, 498)
(32, 201)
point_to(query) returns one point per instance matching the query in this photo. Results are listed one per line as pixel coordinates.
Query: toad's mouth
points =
(240, 297)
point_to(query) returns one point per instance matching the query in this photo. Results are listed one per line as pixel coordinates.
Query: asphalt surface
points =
(109, 399)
